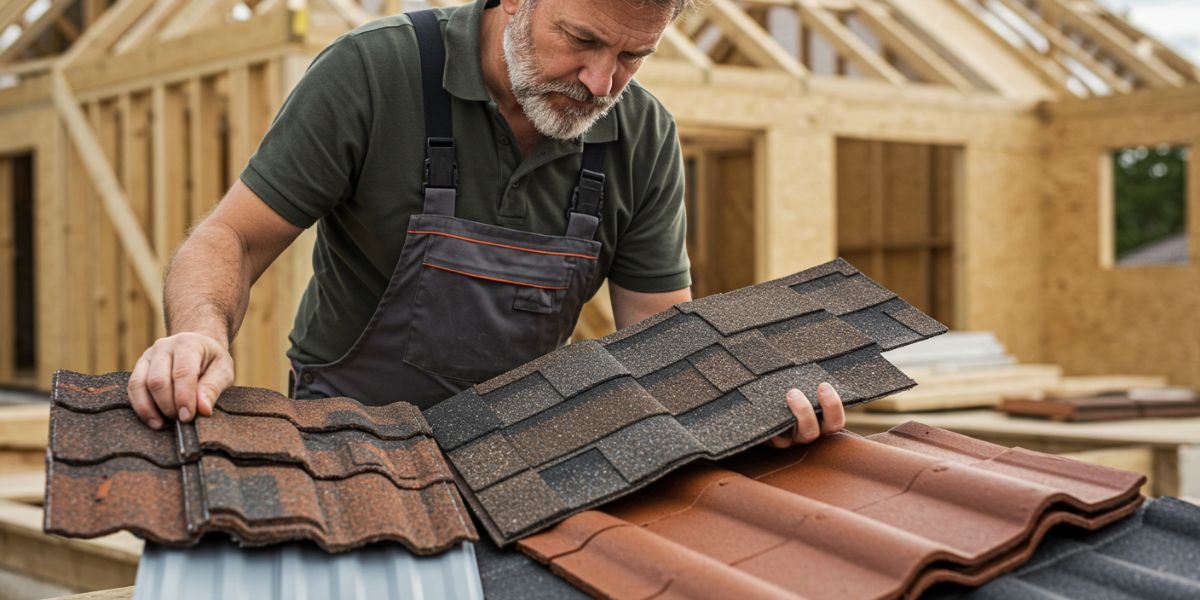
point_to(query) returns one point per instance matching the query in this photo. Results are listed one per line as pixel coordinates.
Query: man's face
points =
(570, 60)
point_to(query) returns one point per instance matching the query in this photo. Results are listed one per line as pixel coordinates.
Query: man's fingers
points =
(807, 428)
(160, 384)
(185, 375)
(139, 395)
(217, 377)
(833, 415)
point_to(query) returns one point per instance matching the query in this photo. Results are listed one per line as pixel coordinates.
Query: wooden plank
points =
(8, 289)
(958, 396)
(167, 60)
(914, 52)
(1145, 65)
(137, 155)
(100, 35)
(989, 423)
(80, 258)
(13, 12)
(1068, 46)
(32, 31)
(679, 43)
(169, 173)
(132, 238)
(105, 562)
(27, 487)
(1049, 71)
(848, 43)
(24, 426)
(102, 264)
(203, 165)
(1138, 459)
(196, 16)
(125, 593)
(245, 344)
(1098, 384)
(750, 39)
(147, 26)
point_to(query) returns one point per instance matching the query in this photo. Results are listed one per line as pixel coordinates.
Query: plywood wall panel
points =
(1116, 319)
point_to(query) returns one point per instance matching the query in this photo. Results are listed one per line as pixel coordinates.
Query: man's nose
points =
(597, 75)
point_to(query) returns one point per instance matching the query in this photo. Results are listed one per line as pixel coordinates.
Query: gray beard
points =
(533, 94)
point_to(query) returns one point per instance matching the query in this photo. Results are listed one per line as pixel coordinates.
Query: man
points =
(472, 189)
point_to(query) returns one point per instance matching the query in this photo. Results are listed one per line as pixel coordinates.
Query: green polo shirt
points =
(347, 152)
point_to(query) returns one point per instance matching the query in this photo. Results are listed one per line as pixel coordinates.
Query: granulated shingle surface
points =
(1153, 554)
(263, 467)
(596, 420)
(845, 517)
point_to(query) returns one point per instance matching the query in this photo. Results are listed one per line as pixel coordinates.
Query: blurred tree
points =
(1149, 194)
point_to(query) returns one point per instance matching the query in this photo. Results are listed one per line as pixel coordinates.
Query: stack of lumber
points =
(961, 370)
(1106, 406)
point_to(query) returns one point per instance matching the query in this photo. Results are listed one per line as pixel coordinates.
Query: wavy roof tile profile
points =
(1153, 554)
(263, 468)
(845, 517)
(598, 419)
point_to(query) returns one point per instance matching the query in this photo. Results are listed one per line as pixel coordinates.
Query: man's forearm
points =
(208, 283)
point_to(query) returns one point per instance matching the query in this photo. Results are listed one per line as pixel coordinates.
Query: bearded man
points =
(475, 174)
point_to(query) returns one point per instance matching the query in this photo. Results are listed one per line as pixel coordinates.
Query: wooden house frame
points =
(954, 150)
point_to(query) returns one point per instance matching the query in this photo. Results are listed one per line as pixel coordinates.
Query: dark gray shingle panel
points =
(1154, 554)
(596, 420)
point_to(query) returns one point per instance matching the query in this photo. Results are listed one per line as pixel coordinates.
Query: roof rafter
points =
(846, 41)
(923, 59)
(753, 42)
(1145, 65)
(31, 32)
(1068, 46)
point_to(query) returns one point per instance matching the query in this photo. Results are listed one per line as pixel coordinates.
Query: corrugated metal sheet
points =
(218, 569)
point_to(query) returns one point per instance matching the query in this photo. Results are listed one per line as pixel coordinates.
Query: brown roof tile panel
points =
(264, 468)
(865, 518)
(595, 420)
(1101, 408)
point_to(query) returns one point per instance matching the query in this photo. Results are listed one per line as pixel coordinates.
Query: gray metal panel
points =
(218, 569)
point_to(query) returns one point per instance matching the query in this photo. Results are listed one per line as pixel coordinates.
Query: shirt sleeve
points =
(311, 155)
(651, 255)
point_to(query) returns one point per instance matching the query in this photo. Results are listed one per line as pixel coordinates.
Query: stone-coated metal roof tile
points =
(877, 517)
(596, 420)
(264, 468)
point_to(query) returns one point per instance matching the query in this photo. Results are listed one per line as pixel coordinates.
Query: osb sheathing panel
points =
(1000, 248)
(35, 129)
(1127, 320)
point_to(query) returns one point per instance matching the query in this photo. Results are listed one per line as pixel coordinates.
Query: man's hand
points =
(808, 428)
(179, 377)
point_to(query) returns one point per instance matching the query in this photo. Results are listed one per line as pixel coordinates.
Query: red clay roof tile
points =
(263, 468)
(595, 420)
(846, 517)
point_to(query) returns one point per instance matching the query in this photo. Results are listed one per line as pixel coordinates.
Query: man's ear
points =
(510, 6)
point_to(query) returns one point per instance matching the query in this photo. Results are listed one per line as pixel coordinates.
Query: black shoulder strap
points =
(584, 219)
(441, 168)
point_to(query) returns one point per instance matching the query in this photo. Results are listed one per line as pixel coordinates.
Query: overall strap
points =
(584, 218)
(441, 167)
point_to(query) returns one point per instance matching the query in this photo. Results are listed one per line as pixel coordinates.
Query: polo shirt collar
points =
(464, 71)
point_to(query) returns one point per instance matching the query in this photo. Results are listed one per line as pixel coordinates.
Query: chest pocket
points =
(492, 299)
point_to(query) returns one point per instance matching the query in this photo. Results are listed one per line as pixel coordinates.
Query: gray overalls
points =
(467, 301)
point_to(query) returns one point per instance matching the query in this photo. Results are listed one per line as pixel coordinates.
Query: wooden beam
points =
(196, 16)
(125, 593)
(751, 40)
(8, 337)
(101, 563)
(147, 26)
(1065, 44)
(133, 239)
(1144, 64)
(350, 11)
(681, 44)
(1050, 72)
(848, 43)
(13, 12)
(67, 28)
(100, 35)
(24, 426)
(31, 32)
(901, 41)
(170, 62)
(27, 487)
